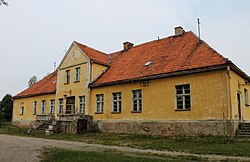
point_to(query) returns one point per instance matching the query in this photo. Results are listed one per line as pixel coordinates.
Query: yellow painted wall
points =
(28, 104)
(76, 58)
(97, 70)
(237, 85)
(73, 57)
(208, 98)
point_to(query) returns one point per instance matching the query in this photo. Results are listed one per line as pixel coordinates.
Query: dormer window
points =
(77, 74)
(67, 77)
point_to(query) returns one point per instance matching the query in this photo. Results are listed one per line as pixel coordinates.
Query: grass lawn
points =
(197, 145)
(63, 155)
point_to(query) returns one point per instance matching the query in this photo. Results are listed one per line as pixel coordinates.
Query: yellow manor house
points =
(173, 86)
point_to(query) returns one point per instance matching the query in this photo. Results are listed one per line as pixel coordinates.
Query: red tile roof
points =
(171, 54)
(93, 54)
(45, 86)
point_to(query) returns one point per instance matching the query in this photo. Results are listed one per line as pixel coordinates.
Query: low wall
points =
(170, 128)
(24, 123)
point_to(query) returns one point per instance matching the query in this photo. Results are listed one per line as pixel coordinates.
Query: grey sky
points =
(34, 34)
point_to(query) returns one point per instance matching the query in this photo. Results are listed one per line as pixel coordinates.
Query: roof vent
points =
(178, 31)
(127, 45)
(148, 63)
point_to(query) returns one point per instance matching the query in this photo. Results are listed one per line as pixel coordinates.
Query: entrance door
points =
(82, 126)
(70, 105)
(239, 106)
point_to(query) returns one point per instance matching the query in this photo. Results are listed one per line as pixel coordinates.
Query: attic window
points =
(148, 63)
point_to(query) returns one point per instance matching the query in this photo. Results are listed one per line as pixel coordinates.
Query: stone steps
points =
(41, 129)
(243, 130)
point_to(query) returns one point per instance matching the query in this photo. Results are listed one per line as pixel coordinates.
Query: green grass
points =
(8, 128)
(197, 145)
(63, 155)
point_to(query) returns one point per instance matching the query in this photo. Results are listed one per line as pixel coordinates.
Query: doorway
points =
(82, 126)
(239, 106)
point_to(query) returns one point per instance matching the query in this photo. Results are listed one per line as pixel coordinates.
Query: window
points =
(246, 97)
(183, 99)
(34, 108)
(99, 103)
(22, 111)
(43, 107)
(67, 77)
(117, 102)
(77, 74)
(137, 101)
(60, 105)
(52, 106)
(81, 106)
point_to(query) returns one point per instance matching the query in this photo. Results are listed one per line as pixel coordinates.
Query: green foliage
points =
(6, 107)
(3, 2)
(8, 128)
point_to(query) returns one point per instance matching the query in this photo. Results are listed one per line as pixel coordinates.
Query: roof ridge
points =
(84, 45)
(155, 40)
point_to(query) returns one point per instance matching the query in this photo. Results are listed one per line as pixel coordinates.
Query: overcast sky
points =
(35, 34)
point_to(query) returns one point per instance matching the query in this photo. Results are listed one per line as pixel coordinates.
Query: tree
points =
(32, 81)
(6, 107)
(3, 2)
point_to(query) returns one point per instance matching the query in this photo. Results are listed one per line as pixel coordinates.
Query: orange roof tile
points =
(45, 86)
(93, 54)
(171, 54)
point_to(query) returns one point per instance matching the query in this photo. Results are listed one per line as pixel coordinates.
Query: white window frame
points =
(43, 106)
(117, 100)
(99, 103)
(60, 106)
(246, 97)
(52, 106)
(77, 74)
(35, 107)
(81, 104)
(137, 100)
(67, 76)
(182, 97)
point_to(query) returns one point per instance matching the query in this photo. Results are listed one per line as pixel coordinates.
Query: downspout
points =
(229, 116)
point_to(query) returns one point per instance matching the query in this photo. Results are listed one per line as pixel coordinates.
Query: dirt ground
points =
(27, 149)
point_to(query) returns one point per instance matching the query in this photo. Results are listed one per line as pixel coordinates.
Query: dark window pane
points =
(187, 88)
(187, 102)
(178, 91)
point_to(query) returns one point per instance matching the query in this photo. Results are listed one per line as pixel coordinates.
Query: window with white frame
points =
(183, 98)
(22, 111)
(67, 76)
(43, 107)
(77, 74)
(246, 97)
(117, 102)
(81, 105)
(137, 100)
(35, 107)
(52, 106)
(60, 105)
(99, 103)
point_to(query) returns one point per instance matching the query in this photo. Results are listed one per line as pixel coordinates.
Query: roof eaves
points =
(164, 75)
(33, 95)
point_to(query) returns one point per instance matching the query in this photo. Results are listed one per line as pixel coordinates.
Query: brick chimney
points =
(127, 45)
(178, 31)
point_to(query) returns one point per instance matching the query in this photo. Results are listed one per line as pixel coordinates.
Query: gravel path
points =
(27, 149)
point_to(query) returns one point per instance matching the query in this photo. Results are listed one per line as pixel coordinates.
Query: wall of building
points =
(209, 103)
(75, 58)
(27, 119)
(97, 70)
(237, 85)
(208, 98)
